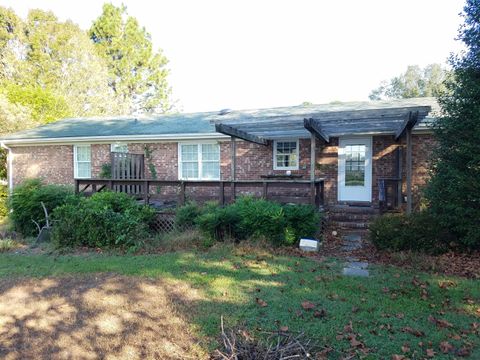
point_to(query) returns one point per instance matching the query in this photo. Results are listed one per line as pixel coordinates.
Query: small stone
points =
(334, 233)
(309, 245)
(355, 272)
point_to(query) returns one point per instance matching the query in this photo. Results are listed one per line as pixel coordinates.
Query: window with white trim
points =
(119, 148)
(285, 155)
(199, 161)
(82, 161)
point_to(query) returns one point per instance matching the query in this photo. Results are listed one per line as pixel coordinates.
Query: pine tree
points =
(454, 189)
(138, 74)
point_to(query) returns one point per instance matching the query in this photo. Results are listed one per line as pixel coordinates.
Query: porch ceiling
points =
(324, 124)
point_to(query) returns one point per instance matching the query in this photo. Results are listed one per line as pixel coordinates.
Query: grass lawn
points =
(181, 296)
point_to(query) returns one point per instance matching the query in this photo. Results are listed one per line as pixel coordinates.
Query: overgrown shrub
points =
(249, 217)
(418, 231)
(25, 204)
(186, 216)
(303, 221)
(106, 219)
(3, 200)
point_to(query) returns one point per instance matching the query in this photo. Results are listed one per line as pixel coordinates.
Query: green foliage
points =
(106, 171)
(25, 204)
(106, 220)
(3, 200)
(418, 231)
(249, 217)
(186, 216)
(302, 222)
(454, 189)
(137, 73)
(415, 82)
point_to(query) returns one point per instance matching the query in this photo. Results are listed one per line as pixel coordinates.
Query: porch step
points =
(350, 217)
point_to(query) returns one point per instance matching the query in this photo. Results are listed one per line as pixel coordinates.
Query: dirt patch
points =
(96, 317)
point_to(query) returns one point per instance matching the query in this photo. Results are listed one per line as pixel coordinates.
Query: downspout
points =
(9, 166)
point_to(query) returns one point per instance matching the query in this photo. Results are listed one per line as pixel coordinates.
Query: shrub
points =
(25, 204)
(253, 218)
(186, 215)
(106, 219)
(303, 221)
(3, 200)
(418, 231)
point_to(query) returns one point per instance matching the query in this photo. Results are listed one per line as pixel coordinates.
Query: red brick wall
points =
(54, 163)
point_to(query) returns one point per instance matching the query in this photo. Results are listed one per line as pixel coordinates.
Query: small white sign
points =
(309, 245)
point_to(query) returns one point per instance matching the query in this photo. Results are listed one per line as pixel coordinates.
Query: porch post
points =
(233, 160)
(312, 168)
(409, 170)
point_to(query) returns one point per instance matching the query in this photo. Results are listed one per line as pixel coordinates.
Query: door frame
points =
(342, 194)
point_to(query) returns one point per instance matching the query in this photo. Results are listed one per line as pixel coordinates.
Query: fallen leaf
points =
(354, 342)
(398, 357)
(339, 337)
(439, 322)
(320, 313)
(283, 328)
(307, 305)
(430, 353)
(261, 302)
(348, 328)
(355, 309)
(446, 347)
(405, 348)
(463, 352)
(414, 332)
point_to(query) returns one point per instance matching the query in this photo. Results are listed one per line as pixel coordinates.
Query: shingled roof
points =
(335, 119)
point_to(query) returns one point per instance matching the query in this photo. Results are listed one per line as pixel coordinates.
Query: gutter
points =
(116, 138)
(9, 166)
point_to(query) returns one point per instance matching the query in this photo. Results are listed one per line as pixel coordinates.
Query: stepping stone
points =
(355, 272)
(357, 264)
(357, 238)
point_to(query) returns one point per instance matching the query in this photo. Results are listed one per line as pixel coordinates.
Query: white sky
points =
(263, 53)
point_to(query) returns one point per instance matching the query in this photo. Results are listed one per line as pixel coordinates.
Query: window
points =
(285, 155)
(199, 161)
(119, 147)
(82, 161)
(355, 165)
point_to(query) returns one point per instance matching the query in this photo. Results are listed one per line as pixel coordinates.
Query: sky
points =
(265, 53)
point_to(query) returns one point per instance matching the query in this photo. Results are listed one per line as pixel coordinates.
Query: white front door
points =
(355, 169)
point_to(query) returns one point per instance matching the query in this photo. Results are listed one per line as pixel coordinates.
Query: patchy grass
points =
(9, 245)
(394, 311)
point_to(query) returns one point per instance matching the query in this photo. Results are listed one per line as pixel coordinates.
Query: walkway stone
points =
(354, 267)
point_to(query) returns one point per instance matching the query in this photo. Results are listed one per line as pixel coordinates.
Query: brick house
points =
(364, 153)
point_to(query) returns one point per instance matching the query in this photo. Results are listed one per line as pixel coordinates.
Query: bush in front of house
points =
(186, 215)
(26, 200)
(3, 200)
(250, 217)
(418, 231)
(105, 220)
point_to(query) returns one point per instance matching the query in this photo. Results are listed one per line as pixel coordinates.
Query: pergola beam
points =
(408, 124)
(315, 128)
(231, 131)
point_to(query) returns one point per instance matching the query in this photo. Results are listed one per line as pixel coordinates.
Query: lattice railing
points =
(164, 222)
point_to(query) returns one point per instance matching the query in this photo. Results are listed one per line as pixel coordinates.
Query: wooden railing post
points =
(222, 193)
(265, 190)
(146, 192)
(182, 193)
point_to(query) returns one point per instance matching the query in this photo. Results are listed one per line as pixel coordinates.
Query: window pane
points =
(211, 170)
(189, 170)
(83, 170)
(210, 152)
(189, 152)
(355, 165)
(83, 153)
(286, 154)
(118, 147)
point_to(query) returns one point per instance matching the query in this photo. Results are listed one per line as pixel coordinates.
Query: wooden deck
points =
(283, 191)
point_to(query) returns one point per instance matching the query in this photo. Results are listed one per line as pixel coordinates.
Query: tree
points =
(415, 82)
(137, 74)
(454, 188)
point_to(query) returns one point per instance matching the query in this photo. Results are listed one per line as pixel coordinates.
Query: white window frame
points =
(112, 147)
(198, 144)
(277, 167)
(75, 161)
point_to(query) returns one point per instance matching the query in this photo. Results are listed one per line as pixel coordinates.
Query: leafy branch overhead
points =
(415, 82)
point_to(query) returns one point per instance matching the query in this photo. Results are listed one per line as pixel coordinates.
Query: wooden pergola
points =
(264, 127)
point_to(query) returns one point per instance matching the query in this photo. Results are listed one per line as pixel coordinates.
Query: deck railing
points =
(389, 194)
(284, 191)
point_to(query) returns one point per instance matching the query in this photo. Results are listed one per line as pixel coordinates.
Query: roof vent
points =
(224, 111)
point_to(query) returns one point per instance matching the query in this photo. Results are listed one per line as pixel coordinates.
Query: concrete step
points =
(350, 217)
(349, 224)
(348, 209)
